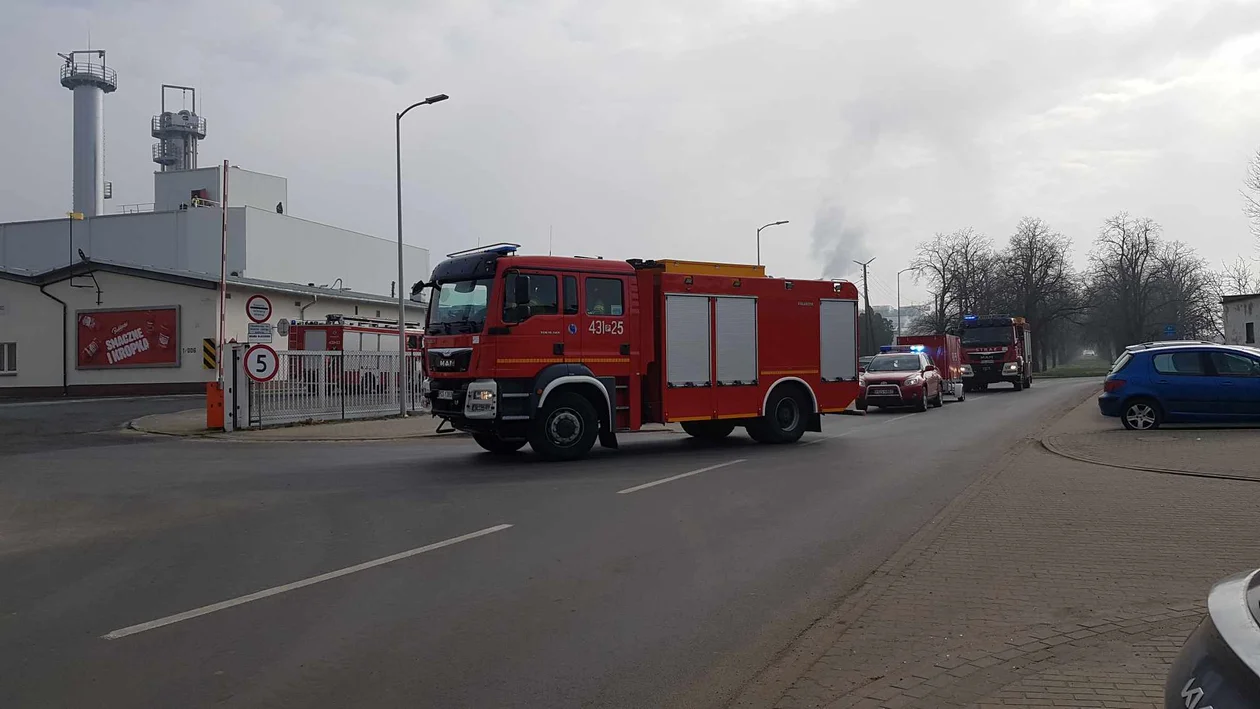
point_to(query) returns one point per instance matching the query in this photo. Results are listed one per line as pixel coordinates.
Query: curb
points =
(1055, 449)
(227, 437)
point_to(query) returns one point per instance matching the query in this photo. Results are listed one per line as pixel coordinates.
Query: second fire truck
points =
(560, 352)
(996, 348)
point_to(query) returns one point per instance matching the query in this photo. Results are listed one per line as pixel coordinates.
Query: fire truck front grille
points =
(450, 360)
(447, 397)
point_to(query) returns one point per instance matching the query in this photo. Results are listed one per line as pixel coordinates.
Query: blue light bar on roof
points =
(917, 348)
(970, 317)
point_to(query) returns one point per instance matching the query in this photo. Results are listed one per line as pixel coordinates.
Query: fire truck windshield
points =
(460, 307)
(977, 336)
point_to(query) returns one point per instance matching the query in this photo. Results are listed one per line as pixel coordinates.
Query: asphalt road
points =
(600, 593)
(54, 424)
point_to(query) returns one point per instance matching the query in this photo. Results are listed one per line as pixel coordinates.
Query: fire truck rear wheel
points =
(708, 430)
(566, 427)
(785, 417)
(497, 445)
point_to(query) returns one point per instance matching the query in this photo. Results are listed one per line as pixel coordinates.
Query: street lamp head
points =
(436, 99)
(782, 222)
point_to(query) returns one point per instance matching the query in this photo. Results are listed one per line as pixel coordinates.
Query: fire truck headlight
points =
(966, 370)
(481, 402)
(1010, 368)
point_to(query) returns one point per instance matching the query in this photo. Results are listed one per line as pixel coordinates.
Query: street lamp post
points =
(402, 308)
(759, 237)
(899, 298)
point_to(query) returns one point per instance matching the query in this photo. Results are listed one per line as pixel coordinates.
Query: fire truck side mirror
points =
(416, 290)
(520, 289)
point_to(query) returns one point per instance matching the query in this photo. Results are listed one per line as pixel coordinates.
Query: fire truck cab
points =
(560, 351)
(996, 348)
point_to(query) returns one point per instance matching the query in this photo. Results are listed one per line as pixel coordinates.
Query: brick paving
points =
(1050, 582)
(1234, 451)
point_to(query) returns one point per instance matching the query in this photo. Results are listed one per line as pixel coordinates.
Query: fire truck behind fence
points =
(354, 373)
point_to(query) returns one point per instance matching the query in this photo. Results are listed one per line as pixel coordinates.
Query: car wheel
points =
(497, 445)
(1141, 415)
(708, 430)
(923, 402)
(566, 428)
(784, 420)
(939, 401)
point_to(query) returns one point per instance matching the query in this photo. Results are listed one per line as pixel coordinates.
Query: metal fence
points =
(330, 386)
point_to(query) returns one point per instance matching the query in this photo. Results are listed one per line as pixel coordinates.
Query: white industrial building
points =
(167, 254)
(1242, 318)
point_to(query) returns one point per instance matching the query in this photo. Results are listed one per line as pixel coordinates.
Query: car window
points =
(1121, 361)
(895, 363)
(1190, 363)
(603, 296)
(570, 295)
(1228, 364)
(543, 298)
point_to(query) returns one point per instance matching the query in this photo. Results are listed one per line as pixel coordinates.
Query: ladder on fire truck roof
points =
(363, 321)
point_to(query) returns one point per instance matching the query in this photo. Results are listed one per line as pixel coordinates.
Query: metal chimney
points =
(84, 72)
(178, 132)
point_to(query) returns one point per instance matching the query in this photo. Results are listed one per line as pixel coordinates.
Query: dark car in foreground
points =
(1183, 383)
(1219, 664)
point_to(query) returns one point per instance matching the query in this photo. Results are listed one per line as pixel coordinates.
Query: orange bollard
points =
(214, 406)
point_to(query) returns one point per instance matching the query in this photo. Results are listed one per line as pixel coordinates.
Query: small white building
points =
(1242, 316)
(100, 328)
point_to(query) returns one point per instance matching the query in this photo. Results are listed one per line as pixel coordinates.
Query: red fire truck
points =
(996, 348)
(361, 341)
(340, 333)
(558, 351)
(945, 351)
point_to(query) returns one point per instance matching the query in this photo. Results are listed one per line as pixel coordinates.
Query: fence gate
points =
(331, 386)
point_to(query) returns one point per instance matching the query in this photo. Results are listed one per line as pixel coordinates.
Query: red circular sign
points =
(262, 364)
(258, 308)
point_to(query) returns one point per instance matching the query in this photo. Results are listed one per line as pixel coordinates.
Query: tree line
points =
(1136, 284)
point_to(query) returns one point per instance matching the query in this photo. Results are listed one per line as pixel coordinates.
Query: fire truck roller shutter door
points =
(557, 375)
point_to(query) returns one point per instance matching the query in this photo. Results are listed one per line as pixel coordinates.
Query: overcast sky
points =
(673, 128)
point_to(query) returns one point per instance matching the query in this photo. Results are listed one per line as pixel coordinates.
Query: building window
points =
(1251, 333)
(378, 313)
(8, 358)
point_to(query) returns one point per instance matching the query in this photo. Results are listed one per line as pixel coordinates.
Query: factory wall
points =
(287, 249)
(34, 323)
(1239, 312)
(182, 240)
(245, 188)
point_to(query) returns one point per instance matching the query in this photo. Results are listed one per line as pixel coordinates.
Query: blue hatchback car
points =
(1183, 383)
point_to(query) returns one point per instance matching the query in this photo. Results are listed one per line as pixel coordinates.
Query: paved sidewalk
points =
(1050, 582)
(1232, 452)
(192, 424)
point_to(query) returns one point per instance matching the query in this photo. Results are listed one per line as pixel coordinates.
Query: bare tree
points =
(960, 270)
(1251, 194)
(1139, 284)
(1038, 283)
(1238, 278)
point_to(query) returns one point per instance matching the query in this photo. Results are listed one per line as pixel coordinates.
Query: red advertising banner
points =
(134, 337)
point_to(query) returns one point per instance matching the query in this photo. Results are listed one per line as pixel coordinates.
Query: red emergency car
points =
(901, 375)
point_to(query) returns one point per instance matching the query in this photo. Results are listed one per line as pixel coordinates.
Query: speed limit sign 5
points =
(261, 363)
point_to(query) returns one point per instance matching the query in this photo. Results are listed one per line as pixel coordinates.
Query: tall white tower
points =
(178, 132)
(84, 72)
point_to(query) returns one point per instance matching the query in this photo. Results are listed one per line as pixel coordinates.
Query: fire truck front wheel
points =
(497, 445)
(785, 419)
(565, 428)
(708, 430)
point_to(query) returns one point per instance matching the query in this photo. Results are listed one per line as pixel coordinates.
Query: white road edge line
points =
(672, 478)
(856, 430)
(205, 610)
